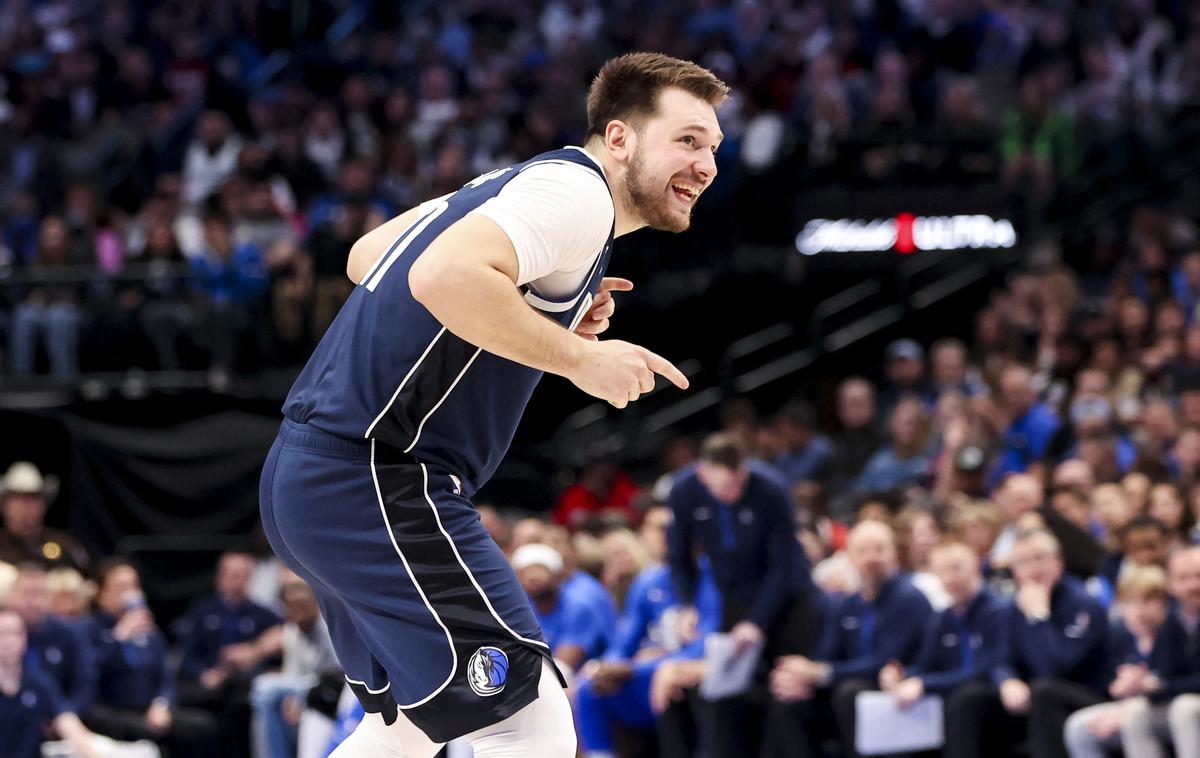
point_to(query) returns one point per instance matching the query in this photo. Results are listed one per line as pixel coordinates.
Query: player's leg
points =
(543, 728)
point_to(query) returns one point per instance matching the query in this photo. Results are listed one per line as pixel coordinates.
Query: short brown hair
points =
(627, 87)
(723, 449)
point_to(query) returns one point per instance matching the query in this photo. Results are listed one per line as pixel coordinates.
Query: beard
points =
(650, 203)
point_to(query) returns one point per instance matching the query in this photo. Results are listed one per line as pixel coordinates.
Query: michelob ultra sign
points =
(905, 233)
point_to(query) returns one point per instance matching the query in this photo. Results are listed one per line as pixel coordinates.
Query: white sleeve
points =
(558, 217)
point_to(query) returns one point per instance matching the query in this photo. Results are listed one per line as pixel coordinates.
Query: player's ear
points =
(617, 138)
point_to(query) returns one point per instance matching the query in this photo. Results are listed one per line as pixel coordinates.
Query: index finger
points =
(664, 367)
(615, 283)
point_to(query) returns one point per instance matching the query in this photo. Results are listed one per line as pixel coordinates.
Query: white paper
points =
(727, 674)
(881, 728)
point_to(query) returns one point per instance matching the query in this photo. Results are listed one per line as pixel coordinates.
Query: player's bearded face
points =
(651, 197)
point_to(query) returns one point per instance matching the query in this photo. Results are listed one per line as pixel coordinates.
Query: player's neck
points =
(626, 220)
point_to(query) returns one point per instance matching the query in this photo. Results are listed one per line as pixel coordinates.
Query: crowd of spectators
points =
(1006, 521)
(182, 180)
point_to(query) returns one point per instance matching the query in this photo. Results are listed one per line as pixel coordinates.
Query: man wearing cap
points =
(25, 537)
(905, 376)
(574, 631)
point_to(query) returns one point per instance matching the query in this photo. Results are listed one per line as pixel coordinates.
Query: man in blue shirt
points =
(574, 632)
(1053, 660)
(1032, 425)
(56, 648)
(806, 450)
(1171, 680)
(738, 515)
(882, 622)
(135, 696)
(581, 585)
(616, 689)
(963, 643)
(29, 701)
(221, 651)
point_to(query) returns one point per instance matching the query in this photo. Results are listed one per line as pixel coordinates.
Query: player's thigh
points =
(544, 728)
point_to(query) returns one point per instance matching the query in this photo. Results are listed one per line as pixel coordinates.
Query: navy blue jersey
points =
(388, 370)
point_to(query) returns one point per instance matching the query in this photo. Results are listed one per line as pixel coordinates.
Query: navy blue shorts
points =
(425, 613)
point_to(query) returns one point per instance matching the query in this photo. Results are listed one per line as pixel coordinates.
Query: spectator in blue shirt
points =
(135, 696)
(616, 688)
(1134, 644)
(905, 460)
(574, 632)
(29, 701)
(805, 449)
(861, 633)
(231, 281)
(1053, 662)
(1169, 714)
(225, 638)
(1031, 424)
(56, 648)
(963, 642)
(579, 584)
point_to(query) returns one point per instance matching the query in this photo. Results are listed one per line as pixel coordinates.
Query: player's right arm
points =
(467, 278)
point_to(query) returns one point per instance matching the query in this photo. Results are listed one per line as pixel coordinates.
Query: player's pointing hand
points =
(595, 321)
(620, 372)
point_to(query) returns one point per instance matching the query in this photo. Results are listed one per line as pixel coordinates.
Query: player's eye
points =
(689, 140)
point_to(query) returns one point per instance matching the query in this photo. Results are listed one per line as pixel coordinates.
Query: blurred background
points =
(951, 241)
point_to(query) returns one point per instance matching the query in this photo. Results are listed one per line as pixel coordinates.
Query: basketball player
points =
(411, 399)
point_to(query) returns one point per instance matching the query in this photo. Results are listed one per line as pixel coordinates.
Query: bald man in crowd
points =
(861, 634)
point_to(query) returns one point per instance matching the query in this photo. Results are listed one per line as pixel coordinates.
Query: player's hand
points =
(595, 321)
(620, 372)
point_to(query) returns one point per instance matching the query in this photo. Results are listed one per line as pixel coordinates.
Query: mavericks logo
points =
(487, 671)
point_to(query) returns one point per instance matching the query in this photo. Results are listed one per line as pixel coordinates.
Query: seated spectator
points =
(860, 634)
(917, 534)
(857, 438)
(905, 460)
(49, 314)
(1166, 505)
(24, 496)
(615, 690)
(624, 559)
(904, 370)
(231, 282)
(1142, 601)
(573, 631)
(278, 696)
(1017, 496)
(1143, 544)
(962, 643)
(579, 584)
(805, 450)
(952, 373)
(58, 649)
(1031, 425)
(30, 702)
(135, 694)
(602, 490)
(1112, 509)
(70, 594)
(1052, 661)
(224, 639)
(1170, 712)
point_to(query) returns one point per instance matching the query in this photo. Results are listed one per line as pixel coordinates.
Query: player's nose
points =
(706, 167)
